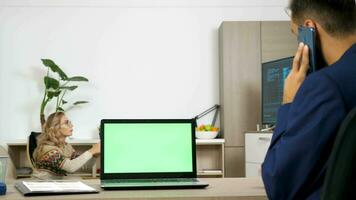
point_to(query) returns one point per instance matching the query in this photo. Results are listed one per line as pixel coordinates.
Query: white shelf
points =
(83, 141)
(21, 142)
(209, 141)
(210, 173)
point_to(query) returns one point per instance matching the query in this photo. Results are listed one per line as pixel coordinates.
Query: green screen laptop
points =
(148, 154)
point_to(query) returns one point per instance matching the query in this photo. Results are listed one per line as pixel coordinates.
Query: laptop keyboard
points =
(169, 180)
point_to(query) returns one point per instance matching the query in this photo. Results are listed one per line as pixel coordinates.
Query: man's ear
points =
(309, 23)
(294, 27)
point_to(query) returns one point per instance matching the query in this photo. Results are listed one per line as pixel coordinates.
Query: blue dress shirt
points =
(296, 161)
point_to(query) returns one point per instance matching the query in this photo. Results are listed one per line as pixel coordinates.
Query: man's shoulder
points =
(335, 81)
(341, 73)
(342, 70)
(318, 80)
(318, 87)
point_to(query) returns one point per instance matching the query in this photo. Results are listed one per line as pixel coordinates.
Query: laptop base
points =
(151, 184)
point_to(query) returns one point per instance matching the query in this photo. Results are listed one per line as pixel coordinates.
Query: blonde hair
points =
(50, 134)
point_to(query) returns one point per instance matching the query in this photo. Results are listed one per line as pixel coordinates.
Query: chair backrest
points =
(31, 146)
(340, 177)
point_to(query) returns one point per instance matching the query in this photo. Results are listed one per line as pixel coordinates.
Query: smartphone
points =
(307, 35)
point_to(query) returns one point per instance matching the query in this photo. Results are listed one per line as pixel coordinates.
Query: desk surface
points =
(218, 189)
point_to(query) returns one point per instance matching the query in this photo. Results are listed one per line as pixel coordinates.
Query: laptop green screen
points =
(147, 147)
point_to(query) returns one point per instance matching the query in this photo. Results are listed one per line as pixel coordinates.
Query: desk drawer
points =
(256, 146)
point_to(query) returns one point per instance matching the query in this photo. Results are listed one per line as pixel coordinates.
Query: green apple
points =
(208, 127)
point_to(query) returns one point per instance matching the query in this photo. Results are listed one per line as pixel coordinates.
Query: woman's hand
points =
(298, 73)
(95, 149)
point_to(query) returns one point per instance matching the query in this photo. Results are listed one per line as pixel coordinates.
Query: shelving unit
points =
(210, 156)
(17, 154)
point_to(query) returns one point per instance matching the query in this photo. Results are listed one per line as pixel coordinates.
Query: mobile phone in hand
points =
(307, 35)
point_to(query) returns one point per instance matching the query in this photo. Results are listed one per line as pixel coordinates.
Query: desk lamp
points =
(216, 107)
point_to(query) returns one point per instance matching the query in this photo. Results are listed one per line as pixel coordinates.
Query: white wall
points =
(144, 58)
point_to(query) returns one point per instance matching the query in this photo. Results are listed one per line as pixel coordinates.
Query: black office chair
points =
(340, 177)
(31, 146)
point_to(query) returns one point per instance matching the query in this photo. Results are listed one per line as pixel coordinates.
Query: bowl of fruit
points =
(206, 132)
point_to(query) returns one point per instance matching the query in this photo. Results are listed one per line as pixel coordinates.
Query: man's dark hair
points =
(337, 17)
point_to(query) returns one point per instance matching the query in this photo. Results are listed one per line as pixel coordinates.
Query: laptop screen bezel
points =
(192, 174)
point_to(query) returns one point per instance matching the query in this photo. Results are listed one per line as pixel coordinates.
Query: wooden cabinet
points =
(210, 157)
(277, 41)
(240, 74)
(243, 47)
(256, 146)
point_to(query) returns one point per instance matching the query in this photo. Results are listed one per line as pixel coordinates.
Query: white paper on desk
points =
(38, 186)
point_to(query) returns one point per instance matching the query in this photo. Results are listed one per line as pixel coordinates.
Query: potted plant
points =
(56, 87)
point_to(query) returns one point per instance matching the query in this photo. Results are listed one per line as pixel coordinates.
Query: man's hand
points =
(297, 75)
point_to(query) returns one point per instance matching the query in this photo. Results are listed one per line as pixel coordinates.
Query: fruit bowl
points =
(206, 134)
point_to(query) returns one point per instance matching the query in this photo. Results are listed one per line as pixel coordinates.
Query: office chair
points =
(31, 146)
(340, 177)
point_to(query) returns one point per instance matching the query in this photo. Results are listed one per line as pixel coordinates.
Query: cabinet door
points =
(240, 79)
(253, 170)
(234, 162)
(257, 146)
(277, 41)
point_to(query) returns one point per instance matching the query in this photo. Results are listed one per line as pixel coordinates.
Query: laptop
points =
(148, 154)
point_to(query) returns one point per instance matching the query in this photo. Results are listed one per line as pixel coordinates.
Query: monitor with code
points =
(273, 75)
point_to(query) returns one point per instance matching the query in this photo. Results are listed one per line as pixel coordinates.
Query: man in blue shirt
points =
(313, 106)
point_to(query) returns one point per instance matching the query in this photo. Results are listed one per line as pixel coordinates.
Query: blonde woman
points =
(54, 158)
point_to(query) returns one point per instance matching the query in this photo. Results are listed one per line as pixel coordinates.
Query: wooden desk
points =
(218, 189)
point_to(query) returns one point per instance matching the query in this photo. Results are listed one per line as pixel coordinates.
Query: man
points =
(315, 105)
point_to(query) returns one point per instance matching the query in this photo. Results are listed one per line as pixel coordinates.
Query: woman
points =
(54, 158)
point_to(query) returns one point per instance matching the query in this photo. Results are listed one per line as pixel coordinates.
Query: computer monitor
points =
(273, 75)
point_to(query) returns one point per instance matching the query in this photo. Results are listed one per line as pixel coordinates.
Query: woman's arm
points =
(74, 164)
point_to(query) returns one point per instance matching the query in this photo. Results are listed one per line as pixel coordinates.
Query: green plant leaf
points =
(51, 82)
(71, 88)
(64, 101)
(51, 94)
(55, 68)
(60, 109)
(80, 102)
(57, 93)
(77, 78)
